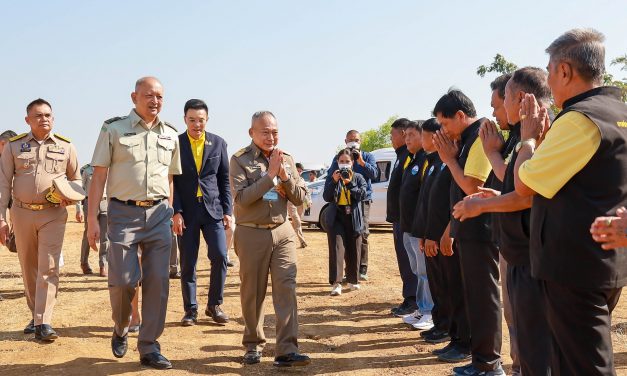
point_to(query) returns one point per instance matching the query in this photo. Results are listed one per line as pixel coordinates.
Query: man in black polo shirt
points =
(460, 148)
(397, 136)
(576, 171)
(511, 214)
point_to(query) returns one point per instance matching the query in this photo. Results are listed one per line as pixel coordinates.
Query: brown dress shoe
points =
(103, 272)
(217, 314)
(86, 269)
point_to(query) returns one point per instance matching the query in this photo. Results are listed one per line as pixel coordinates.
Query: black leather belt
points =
(143, 204)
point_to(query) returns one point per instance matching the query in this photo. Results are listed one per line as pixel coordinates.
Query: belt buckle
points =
(36, 207)
(144, 204)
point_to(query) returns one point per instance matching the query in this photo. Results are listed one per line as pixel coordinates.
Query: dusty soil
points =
(346, 335)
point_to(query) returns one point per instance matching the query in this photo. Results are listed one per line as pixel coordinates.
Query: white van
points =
(385, 161)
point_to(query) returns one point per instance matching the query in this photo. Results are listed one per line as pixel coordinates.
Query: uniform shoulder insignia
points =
(114, 119)
(15, 138)
(241, 151)
(62, 137)
(170, 125)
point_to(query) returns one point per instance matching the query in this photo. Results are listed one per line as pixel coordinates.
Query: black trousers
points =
(528, 311)
(580, 324)
(441, 311)
(344, 247)
(480, 275)
(409, 279)
(459, 329)
(364, 248)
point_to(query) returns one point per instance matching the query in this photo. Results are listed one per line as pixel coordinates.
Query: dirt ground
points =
(346, 335)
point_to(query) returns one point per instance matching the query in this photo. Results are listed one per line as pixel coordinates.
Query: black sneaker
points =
(426, 333)
(437, 337)
(251, 357)
(291, 360)
(454, 356)
(444, 349)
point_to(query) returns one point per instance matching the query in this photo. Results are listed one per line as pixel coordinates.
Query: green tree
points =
(379, 137)
(499, 65)
(609, 80)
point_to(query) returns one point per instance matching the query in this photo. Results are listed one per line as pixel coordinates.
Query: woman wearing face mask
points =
(345, 190)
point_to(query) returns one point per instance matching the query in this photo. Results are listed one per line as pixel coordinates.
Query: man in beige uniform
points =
(136, 155)
(263, 179)
(29, 164)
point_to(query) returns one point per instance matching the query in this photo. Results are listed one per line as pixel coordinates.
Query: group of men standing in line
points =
(552, 183)
(547, 202)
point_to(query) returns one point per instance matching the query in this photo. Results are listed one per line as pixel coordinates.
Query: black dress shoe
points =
(190, 318)
(437, 337)
(251, 357)
(119, 345)
(30, 328)
(454, 356)
(44, 332)
(217, 314)
(291, 360)
(155, 360)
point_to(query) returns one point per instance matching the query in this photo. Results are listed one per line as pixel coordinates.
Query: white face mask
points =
(352, 144)
(347, 166)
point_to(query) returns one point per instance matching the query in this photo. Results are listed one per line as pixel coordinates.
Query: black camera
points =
(345, 173)
(354, 153)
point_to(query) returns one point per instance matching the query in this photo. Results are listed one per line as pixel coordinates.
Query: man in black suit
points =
(202, 202)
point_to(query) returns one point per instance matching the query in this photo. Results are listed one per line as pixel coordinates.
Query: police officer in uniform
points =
(81, 210)
(263, 178)
(29, 163)
(136, 155)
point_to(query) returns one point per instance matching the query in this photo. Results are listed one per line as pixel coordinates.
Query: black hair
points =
(345, 151)
(451, 102)
(300, 165)
(431, 125)
(195, 104)
(400, 123)
(37, 102)
(7, 135)
(499, 84)
(415, 124)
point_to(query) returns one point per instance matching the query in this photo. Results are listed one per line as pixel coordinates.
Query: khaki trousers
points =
(262, 252)
(39, 239)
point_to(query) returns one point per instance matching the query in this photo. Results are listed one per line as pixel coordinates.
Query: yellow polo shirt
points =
(567, 148)
(477, 164)
(198, 146)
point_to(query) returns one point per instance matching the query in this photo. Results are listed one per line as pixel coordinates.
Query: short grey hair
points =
(583, 48)
(260, 114)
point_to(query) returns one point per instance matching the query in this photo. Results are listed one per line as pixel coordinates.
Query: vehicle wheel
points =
(323, 219)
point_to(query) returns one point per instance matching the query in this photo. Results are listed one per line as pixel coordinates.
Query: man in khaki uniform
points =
(136, 155)
(263, 179)
(29, 164)
(81, 210)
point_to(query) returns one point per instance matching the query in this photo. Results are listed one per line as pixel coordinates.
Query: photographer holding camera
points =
(364, 164)
(346, 190)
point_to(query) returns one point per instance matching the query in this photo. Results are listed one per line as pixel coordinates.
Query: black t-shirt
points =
(429, 175)
(393, 213)
(410, 190)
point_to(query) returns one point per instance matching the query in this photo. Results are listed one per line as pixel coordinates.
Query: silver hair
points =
(143, 80)
(583, 48)
(260, 114)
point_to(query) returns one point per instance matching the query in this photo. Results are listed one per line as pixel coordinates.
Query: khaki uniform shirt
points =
(256, 200)
(139, 159)
(28, 168)
(87, 172)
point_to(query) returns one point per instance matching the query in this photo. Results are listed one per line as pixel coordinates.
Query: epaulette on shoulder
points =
(170, 125)
(241, 151)
(62, 137)
(15, 138)
(114, 119)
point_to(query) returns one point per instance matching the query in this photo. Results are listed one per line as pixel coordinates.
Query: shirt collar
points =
(137, 120)
(471, 129)
(256, 150)
(192, 140)
(50, 137)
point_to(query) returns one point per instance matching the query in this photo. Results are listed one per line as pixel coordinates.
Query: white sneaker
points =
(425, 322)
(412, 318)
(336, 290)
(354, 287)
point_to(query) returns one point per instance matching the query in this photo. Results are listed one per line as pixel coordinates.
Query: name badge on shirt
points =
(271, 195)
(414, 170)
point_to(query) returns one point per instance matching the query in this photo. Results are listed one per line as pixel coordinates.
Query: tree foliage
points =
(609, 80)
(379, 137)
(499, 65)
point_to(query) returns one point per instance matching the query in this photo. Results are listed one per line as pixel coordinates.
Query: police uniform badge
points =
(430, 170)
(415, 169)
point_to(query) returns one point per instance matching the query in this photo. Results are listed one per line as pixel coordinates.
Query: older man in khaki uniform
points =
(29, 164)
(136, 155)
(263, 179)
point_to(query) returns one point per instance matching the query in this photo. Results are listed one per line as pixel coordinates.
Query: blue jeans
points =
(418, 266)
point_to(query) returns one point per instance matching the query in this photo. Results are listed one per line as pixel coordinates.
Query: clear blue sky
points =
(322, 67)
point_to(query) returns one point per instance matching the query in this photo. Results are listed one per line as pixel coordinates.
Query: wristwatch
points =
(530, 141)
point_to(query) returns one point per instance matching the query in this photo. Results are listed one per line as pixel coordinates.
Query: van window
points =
(384, 171)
